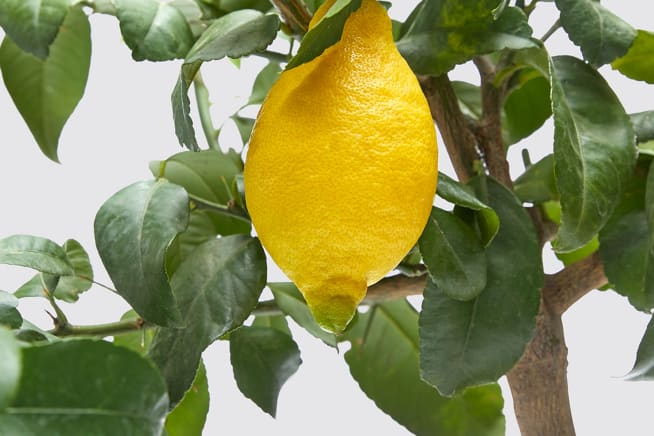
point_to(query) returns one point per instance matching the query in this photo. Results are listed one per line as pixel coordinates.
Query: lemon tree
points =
(433, 283)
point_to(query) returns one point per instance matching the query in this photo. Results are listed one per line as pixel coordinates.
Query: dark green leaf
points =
(47, 91)
(601, 35)
(153, 30)
(384, 361)
(132, 231)
(234, 35)
(594, 150)
(138, 341)
(33, 25)
(216, 288)
(9, 315)
(277, 322)
(264, 81)
(638, 63)
(325, 33)
(643, 123)
(232, 5)
(627, 244)
(290, 301)
(443, 33)
(85, 387)
(182, 115)
(453, 255)
(263, 360)
(469, 343)
(189, 416)
(537, 184)
(10, 368)
(460, 195)
(34, 252)
(643, 369)
(526, 107)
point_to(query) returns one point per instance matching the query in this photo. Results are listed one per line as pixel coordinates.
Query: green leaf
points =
(47, 91)
(34, 252)
(627, 244)
(33, 25)
(234, 35)
(132, 231)
(643, 369)
(460, 195)
(138, 341)
(643, 123)
(443, 33)
(601, 35)
(189, 416)
(263, 360)
(277, 322)
(453, 255)
(638, 63)
(84, 387)
(537, 184)
(9, 315)
(10, 368)
(263, 82)
(384, 360)
(153, 30)
(291, 302)
(594, 150)
(468, 343)
(526, 107)
(325, 33)
(216, 288)
(182, 114)
(244, 126)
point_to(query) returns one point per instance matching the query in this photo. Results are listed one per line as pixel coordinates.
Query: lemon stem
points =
(295, 14)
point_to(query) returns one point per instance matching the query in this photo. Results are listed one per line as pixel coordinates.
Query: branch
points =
(459, 140)
(231, 209)
(110, 329)
(295, 14)
(202, 99)
(489, 133)
(573, 282)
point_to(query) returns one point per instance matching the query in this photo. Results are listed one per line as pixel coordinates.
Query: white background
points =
(124, 121)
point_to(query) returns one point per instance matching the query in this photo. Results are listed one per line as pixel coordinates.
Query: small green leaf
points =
(132, 231)
(643, 123)
(453, 255)
(638, 63)
(643, 369)
(182, 115)
(9, 315)
(244, 126)
(153, 30)
(325, 33)
(47, 91)
(216, 288)
(85, 387)
(33, 25)
(263, 360)
(277, 322)
(526, 107)
(10, 368)
(537, 184)
(189, 416)
(627, 244)
(601, 35)
(263, 82)
(384, 360)
(460, 195)
(594, 150)
(443, 33)
(291, 302)
(138, 341)
(34, 252)
(468, 343)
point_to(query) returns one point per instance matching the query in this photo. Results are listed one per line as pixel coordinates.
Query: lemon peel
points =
(341, 168)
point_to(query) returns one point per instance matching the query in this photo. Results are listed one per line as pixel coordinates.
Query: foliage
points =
(179, 248)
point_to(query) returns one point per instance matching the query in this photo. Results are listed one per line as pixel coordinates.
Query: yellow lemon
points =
(341, 169)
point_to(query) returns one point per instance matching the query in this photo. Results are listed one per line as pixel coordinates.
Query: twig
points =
(230, 209)
(294, 13)
(102, 330)
(204, 106)
(556, 26)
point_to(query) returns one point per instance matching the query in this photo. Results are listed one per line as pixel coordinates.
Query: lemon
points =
(341, 169)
